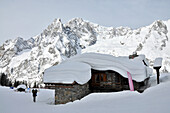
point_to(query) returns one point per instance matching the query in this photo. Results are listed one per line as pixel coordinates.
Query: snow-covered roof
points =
(68, 72)
(21, 86)
(78, 68)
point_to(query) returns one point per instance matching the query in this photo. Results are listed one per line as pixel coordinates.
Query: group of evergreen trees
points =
(4, 81)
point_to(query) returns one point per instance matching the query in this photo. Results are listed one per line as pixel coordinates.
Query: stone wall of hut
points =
(70, 93)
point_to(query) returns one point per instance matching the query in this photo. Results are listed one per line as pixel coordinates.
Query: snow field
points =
(155, 99)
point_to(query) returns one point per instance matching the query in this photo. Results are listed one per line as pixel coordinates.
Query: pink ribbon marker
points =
(130, 81)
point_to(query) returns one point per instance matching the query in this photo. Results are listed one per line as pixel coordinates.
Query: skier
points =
(34, 94)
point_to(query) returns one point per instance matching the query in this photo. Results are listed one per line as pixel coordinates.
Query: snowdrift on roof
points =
(68, 72)
(78, 68)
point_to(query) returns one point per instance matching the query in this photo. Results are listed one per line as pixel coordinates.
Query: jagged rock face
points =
(27, 59)
(10, 48)
(83, 30)
(61, 37)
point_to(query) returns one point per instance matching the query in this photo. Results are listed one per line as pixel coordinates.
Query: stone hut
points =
(91, 72)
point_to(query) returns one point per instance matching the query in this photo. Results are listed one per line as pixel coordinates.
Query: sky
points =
(28, 18)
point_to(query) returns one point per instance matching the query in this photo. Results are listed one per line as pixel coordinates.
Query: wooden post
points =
(157, 65)
(157, 72)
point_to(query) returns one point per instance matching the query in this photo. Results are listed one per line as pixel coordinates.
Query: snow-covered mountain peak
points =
(84, 30)
(27, 59)
(76, 21)
(56, 25)
(159, 26)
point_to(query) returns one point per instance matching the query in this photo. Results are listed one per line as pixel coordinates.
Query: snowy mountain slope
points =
(27, 59)
(151, 40)
(22, 63)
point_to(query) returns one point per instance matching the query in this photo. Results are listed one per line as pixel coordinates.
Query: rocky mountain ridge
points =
(26, 60)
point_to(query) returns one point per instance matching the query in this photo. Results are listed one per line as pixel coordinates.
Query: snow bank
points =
(153, 100)
(78, 68)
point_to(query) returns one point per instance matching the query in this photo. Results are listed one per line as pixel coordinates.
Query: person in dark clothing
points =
(34, 94)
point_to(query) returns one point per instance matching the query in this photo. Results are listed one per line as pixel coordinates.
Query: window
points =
(109, 77)
(99, 77)
(117, 79)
